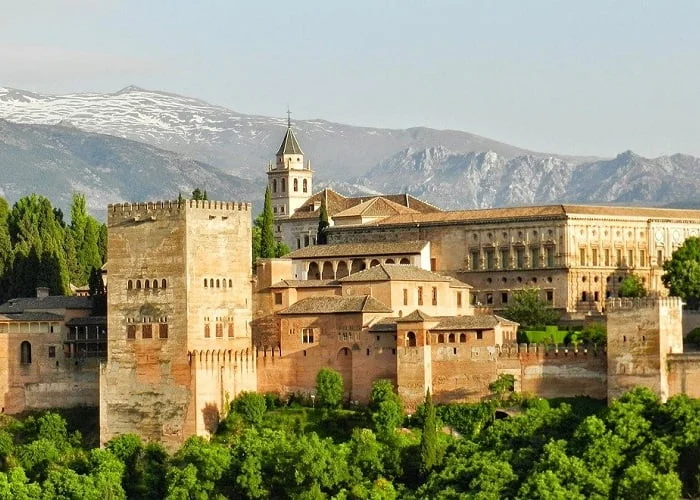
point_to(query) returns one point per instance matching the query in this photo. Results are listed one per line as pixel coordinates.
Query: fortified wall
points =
(179, 318)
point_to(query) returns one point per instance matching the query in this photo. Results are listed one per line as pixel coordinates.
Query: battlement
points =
(549, 350)
(153, 207)
(629, 304)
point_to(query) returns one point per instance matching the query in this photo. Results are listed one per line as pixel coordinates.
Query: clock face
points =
(659, 235)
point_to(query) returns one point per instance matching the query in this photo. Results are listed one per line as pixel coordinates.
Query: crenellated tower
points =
(289, 180)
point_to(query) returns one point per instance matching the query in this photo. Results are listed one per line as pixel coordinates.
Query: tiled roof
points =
(290, 145)
(384, 325)
(330, 305)
(543, 211)
(305, 284)
(337, 203)
(31, 316)
(45, 303)
(394, 272)
(88, 320)
(416, 315)
(359, 249)
(376, 207)
(476, 322)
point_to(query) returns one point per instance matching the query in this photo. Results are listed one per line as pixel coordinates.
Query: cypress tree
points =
(428, 440)
(267, 237)
(321, 237)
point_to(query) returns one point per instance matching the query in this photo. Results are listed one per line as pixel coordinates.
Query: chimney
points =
(42, 291)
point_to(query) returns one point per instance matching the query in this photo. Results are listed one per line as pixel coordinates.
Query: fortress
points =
(402, 291)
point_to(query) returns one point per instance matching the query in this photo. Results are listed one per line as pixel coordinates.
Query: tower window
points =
(304, 186)
(274, 185)
(296, 185)
(25, 351)
(283, 185)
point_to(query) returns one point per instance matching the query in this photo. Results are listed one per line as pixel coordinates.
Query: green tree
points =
(323, 224)
(329, 388)
(85, 230)
(594, 333)
(682, 272)
(429, 438)
(6, 255)
(387, 410)
(267, 237)
(198, 194)
(251, 406)
(529, 310)
(505, 383)
(102, 243)
(632, 286)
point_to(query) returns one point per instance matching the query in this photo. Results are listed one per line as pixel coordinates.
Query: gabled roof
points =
(290, 145)
(394, 272)
(305, 284)
(334, 304)
(14, 306)
(337, 203)
(31, 316)
(376, 207)
(476, 322)
(415, 316)
(359, 249)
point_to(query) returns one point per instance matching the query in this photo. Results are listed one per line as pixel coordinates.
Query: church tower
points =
(290, 182)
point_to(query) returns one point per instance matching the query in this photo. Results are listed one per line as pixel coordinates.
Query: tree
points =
(251, 406)
(529, 310)
(387, 409)
(198, 194)
(329, 388)
(323, 224)
(102, 243)
(594, 333)
(428, 440)
(267, 237)
(682, 272)
(632, 286)
(503, 384)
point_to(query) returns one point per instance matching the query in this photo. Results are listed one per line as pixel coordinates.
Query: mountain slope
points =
(56, 160)
(236, 143)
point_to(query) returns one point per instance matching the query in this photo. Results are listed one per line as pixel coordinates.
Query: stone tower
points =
(641, 335)
(414, 369)
(290, 182)
(179, 312)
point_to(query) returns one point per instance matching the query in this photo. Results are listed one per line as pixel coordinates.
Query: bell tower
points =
(289, 180)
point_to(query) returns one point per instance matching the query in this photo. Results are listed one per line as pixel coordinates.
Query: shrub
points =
(251, 406)
(329, 388)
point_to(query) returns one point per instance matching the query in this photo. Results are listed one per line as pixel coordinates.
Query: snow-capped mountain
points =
(238, 144)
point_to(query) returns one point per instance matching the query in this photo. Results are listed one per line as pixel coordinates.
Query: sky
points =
(580, 77)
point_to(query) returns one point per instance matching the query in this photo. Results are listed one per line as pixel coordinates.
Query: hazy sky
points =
(580, 77)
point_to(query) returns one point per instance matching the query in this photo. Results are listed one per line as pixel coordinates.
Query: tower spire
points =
(289, 118)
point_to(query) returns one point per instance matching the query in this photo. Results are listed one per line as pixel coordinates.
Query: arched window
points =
(25, 352)
(404, 261)
(441, 339)
(230, 283)
(274, 185)
(138, 284)
(218, 284)
(451, 338)
(163, 283)
(223, 283)
(146, 284)
(211, 283)
(155, 283)
(411, 339)
(283, 184)
(207, 331)
(206, 283)
(129, 285)
(304, 186)
(462, 338)
(296, 185)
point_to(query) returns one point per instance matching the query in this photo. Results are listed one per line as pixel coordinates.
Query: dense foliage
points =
(682, 272)
(635, 448)
(38, 248)
(263, 240)
(529, 310)
(632, 286)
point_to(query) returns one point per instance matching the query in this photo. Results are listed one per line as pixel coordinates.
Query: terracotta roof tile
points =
(359, 249)
(305, 284)
(416, 315)
(31, 316)
(476, 322)
(394, 272)
(334, 304)
(45, 303)
(376, 207)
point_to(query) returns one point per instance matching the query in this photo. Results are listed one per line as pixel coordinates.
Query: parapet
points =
(629, 304)
(152, 208)
(549, 350)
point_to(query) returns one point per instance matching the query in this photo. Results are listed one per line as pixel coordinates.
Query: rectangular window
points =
(490, 259)
(582, 257)
(642, 258)
(489, 298)
(618, 257)
(163, 331)
(52, 351)
(630, 258)
(505, 258)
(594, 256)
(479, 335)
(550, 296)
(472, 299)
(520, 258)
(230, 330)
(219, 330)
(459, 299)
(278, 298)
(405, 296)
(307, 335)
(659, 257)
(131, 332)
(420, 295)
(607, 257)
(298, 243)
(475, 260)
(306, 240)
(534, 257)
(433, 264)
(207, 331)
(504, 297)
(434, 296)
(549, 255)
(147, 332)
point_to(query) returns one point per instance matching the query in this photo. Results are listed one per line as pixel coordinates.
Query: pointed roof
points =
(376, 207)
(394, 272)
(290, 145)
(416, 316)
